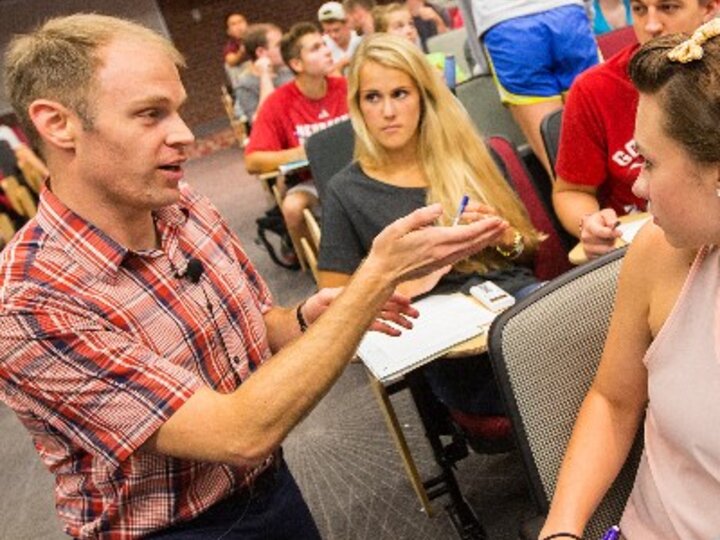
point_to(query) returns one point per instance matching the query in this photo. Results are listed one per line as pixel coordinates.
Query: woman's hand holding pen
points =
(598, 232)
(476, 211)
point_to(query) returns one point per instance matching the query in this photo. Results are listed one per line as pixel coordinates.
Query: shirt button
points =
(236, 359)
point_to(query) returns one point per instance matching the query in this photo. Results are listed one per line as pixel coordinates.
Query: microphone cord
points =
(193, 273)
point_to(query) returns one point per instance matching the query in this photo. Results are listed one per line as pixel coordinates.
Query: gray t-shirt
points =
(247, 89)
(356, 208)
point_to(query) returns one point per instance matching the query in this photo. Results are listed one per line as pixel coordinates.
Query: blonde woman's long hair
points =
(453, 156)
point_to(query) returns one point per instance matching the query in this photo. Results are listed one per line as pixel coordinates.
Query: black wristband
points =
(302, 323)
(562, 535)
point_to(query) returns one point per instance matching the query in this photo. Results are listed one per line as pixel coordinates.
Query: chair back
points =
(328, 151)
(451, 42)
(551, 258)
(612, 42)
(480, 98)
(545, 351)
(550, 132)
(238, 126)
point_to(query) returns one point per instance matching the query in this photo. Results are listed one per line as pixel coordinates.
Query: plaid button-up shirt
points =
(100, 345)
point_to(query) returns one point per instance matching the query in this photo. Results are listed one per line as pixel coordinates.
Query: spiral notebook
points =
(444, 321)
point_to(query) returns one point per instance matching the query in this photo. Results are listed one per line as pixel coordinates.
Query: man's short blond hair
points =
(59, 60)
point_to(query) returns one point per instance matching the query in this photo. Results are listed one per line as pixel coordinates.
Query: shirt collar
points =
(91, 247)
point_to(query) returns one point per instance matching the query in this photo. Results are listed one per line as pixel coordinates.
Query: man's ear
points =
(55, 123)
(296, 65)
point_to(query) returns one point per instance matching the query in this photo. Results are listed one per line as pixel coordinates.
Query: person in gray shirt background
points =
(265, 71)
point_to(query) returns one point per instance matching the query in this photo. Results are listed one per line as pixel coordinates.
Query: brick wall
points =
(201, 41)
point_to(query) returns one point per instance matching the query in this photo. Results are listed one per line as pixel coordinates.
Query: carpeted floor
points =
(342, 455)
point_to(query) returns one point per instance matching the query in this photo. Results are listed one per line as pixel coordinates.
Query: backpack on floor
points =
(273, 234)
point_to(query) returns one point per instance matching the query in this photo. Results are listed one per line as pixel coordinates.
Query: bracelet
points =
(302, 323)
(562, 535)
(518, 247)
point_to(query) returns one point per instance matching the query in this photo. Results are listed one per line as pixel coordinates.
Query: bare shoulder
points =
(655, 272)
(652, 258)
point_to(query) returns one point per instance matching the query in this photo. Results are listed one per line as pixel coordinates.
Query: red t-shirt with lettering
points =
(287, 117)
(597, 147)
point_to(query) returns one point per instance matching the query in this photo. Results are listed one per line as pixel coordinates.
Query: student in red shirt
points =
(293, 112)
(597, 162)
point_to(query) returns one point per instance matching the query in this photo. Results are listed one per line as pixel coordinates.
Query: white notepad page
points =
(629, 230)
(444, 321)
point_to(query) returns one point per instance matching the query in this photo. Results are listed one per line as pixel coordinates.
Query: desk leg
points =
(462, 516)
(402, 445)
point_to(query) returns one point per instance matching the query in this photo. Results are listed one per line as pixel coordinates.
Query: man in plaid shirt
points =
(137, 343)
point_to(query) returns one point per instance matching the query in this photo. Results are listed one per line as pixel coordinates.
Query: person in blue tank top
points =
(611, 15)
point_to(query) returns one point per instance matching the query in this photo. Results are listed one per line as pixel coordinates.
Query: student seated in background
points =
(535, 51)
(234, 51)
(359, 14)
(310, 103)
(430, 20)
(396, 19)
(416, 145)
(265, 72)
(611, 15)
(662, 355)
(139, 346)
(597, 161)
(338, 34)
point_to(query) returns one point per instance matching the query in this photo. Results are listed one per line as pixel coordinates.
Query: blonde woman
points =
(415, 145)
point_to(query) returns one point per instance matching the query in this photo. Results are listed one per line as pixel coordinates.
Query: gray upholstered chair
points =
(545, 351)
(550, 132)
(328, 151)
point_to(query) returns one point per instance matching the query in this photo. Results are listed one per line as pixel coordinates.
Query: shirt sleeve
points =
(582, 155)
(98, 386)
(340, 247)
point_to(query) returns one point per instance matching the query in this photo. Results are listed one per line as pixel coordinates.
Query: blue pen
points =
(613, 533)
(463, 205)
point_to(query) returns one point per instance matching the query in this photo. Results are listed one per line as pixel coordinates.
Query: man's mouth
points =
(171, 167)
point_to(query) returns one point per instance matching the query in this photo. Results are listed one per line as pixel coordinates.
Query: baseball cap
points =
(331, 11)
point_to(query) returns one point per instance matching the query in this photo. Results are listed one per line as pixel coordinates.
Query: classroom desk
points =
(462, 516)
(577, 254)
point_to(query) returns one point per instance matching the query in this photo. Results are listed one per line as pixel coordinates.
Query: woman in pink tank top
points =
(662, 355)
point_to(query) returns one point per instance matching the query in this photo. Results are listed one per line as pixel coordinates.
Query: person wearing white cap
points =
(340, 38)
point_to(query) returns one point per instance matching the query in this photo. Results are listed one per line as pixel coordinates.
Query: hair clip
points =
(691, 49)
